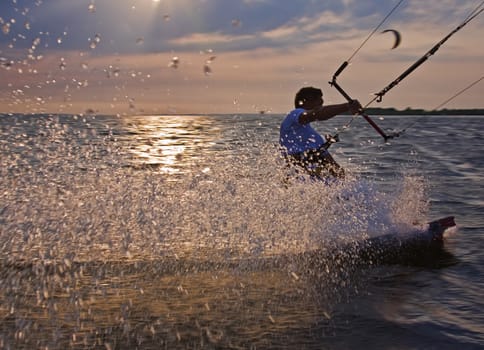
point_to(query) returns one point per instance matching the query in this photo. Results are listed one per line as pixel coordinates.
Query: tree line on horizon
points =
(420, 111)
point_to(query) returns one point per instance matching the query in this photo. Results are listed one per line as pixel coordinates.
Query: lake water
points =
(152, 232)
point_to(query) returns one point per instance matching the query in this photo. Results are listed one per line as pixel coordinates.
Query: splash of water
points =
(65, 197)
(84, 227)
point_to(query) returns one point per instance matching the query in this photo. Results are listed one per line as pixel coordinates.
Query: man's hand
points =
(354, 107)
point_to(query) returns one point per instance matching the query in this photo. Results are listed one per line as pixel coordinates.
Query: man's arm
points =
(328, 112)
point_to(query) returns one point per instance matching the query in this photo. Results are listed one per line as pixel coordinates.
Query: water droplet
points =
(140, 41)
(92, 8)
(84, 65)
(5, 63)
(94, 41)
(112, 71)
(207, 70)
(35, 43)
(6, 28)
(174, 62)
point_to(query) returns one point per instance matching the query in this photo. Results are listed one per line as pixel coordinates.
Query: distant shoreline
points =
(412, 111)
(369, 111)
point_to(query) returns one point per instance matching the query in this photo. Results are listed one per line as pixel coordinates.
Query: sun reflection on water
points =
(169, 144)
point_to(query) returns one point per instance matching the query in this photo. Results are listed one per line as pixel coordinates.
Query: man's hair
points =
(306, 93)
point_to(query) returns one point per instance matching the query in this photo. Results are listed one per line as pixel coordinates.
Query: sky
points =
(231, 56)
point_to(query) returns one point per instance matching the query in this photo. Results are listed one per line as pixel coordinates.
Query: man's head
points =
(307, 96)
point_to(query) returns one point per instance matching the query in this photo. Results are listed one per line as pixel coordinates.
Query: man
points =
(303, 146)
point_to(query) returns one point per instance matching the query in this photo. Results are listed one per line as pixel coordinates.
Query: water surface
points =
(151, 232)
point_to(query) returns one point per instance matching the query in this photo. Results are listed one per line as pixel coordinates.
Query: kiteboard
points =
(421, 246)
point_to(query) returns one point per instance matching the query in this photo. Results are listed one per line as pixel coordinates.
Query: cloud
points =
(207, 40)
(67, 54)
(164, 25)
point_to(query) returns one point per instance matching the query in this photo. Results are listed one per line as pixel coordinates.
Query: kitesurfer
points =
(302, 145)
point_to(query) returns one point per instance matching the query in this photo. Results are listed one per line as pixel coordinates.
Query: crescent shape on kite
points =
(398, 37)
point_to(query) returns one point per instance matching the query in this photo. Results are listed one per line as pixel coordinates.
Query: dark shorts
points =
(316, 162)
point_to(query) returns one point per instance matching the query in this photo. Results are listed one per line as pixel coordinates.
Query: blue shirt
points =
(296, 137)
